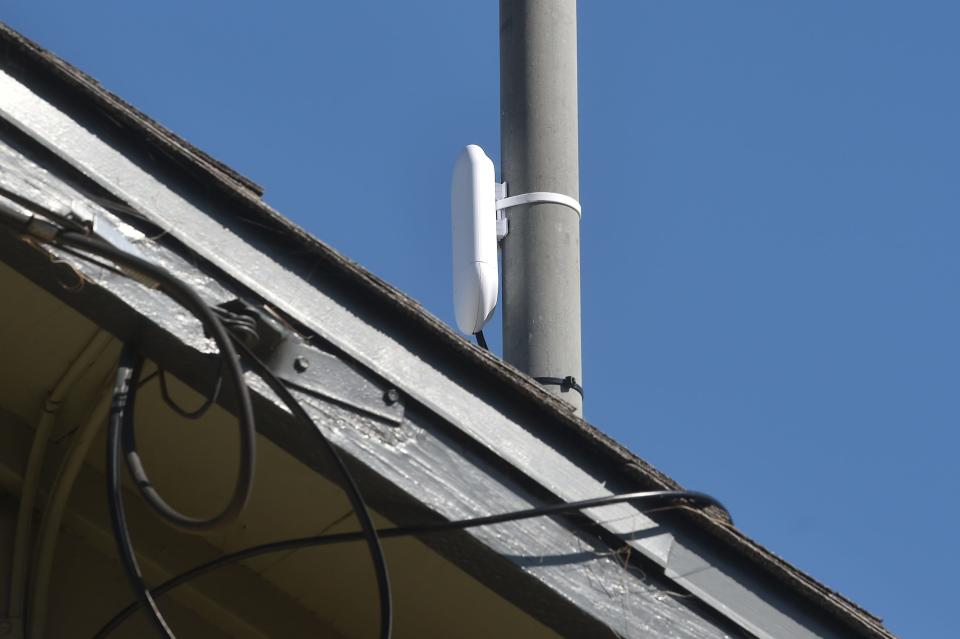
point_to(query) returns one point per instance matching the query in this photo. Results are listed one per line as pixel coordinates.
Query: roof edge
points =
(242, 190)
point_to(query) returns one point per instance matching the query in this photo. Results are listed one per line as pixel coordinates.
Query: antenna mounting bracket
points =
(536, 197)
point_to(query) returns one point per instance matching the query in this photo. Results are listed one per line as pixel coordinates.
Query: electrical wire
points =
(240, 325)
(230, 367)
(196, 413)
(145, 380)
(122, 432)
(368, 530)
(63, 219)
(92, 260)
(656, 500)
(123, 425)
(119, 427)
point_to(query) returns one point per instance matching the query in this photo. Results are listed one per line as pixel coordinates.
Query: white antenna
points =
(473, 202)
(477, 203)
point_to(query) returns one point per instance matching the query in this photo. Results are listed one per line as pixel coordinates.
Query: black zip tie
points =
(565, 383)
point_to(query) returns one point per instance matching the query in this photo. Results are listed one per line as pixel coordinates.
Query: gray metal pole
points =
(539, 152)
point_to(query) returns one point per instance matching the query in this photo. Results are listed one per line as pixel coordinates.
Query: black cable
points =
(368, 530)
(481, 340)
(230, 362)
(144, 380)
(240, 325)
(62, 219)
(196, 413)
(657, 499)
(188, 298)
(121, 430)
(92, 260)
(246, 325)
(119, 426)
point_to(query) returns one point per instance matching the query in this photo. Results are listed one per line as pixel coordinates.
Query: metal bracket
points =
(503, 225)
(309, 370)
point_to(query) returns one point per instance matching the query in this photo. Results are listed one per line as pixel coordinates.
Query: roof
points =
(511, 385)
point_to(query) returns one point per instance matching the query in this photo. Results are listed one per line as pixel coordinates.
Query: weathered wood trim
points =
(450, 393)
(572, 582)
(420, 469)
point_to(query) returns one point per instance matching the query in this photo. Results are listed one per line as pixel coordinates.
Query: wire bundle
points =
(122, 432)
(121, 437)
(121, 428)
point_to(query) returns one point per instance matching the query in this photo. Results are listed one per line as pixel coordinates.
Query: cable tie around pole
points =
(540, 197)
(565, 383)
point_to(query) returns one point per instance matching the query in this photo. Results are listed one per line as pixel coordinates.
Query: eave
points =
(524, 445)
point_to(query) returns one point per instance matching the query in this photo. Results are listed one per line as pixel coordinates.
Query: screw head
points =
(392, 396)
(301, 364)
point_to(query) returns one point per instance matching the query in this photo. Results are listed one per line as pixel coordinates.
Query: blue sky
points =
(770, 236)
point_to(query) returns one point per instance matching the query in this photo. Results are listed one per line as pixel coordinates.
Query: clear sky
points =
(770, 230)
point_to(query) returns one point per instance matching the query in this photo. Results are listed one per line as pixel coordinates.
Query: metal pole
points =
(539, 152)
